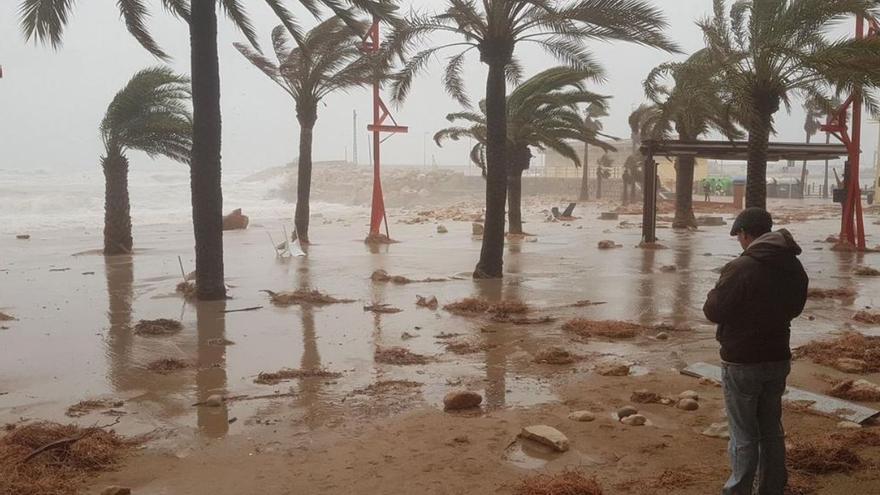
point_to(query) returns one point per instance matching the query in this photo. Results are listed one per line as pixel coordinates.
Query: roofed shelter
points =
(716, 150)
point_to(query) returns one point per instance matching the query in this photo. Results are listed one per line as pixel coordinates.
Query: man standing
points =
(753, 303)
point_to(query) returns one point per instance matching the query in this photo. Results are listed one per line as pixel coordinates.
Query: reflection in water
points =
(309, 388)
(647, 302)
(120, 279)
(683, 286)
(496, 357)
(211, 374)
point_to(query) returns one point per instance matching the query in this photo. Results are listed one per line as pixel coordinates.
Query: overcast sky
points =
(51, 102)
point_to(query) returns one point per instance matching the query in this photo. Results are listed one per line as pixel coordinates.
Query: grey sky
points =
(51, 102)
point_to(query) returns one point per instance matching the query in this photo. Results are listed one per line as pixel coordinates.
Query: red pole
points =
(378, 207)
(856, 150)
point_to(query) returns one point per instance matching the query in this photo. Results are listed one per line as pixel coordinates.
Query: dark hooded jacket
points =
(756, 298)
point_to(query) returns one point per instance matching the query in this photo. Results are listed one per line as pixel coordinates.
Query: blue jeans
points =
(753, 399)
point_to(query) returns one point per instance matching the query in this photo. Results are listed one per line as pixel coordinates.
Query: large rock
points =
(689, 394)
(546, 435)
(235, 221)
(626, 411)
(688, 405)
(457, 401)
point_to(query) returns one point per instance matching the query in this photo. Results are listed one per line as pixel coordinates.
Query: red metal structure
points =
(372, 45)
(852, 227)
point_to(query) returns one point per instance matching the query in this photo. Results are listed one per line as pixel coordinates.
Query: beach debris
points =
(383, 276)
(398, 356)
(383, 387)
(708, 221)
(59, 269)
(546, 435)
(634, 420)
(23, 237)
(42, 457)
(166, 366)
(563, 483)
(857, 390)
(644, 396)
(585, 303)
(866, 271)
(477, 229)
(461, 400)
(822, 457)
(161, 326)
(441, 229)
(662, 336)
(382, 309)
(285, 374)
(220, 342)
(116, 490)
(83, 408)
(606, 244)
(464, 347)
(668, 269)
(215, 400)
(717, 430)
(688, 405)
(851, 352)
(849, 425)
(840, 293)
(582, 416)
(613, 366)
(407, 336)
(609, 215)
(473, 306)
(235, 220)
(427, 302)
(554, 355)
(303, 297)
(521, 320)
(242, 310)
(6, 317)
(187, 289)
(868, 317)
(607, 328)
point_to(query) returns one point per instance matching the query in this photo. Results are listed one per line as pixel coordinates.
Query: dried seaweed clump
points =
(840, 293)
(398, 356)
(266, 378)
(608, 328)
(162, 326)
(554, 355)
(187, 290)
(166, 366)
(564, 483)
(83, 408)
(427, 302)
(822, 457)
(386, 386)
(867, 317)
(475, 305)
(866, 271)
(303, 297)
(77, 454)
(849, 346)
(856, 390)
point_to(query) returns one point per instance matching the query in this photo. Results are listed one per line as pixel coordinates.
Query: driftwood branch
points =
(67, 441)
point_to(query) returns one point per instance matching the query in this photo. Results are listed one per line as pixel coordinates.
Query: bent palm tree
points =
(150, 114)
(770, 50)
(494, 28)
(327, 59)
(642, 122)
(591, 126)
(543, 113)
(693, 106)
(812, 125)
(45, 21)
(603, 171)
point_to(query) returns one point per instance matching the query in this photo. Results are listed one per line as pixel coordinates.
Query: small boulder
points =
(582, 416)
(477, 229)
(612, 367)
(626, 411)
(235, 220)
(606, 244)
(116, 490)
(546, 435)
(215, 400)
(849, 365)
(717, 430)
(689, 394)
(688, 405)
(441, 229)
(457, 401)
(634, 420)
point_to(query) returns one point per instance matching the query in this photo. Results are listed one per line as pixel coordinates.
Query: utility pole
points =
(354, 138)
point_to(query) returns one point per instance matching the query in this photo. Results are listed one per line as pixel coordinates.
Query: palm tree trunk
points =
(599, 186)
(756, 177)
(585, 183)
(492, 253)
(625, 198)
(684, 193)
(804, 174)
(117, 207)
(207, 192)
(825, 184)
(521, 161)
(304, 179)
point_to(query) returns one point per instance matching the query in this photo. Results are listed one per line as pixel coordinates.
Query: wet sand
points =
(73, 341)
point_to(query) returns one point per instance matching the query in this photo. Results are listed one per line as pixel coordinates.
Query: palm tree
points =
(542, 112)
(494, 28)
(769, 51)
(603, 171)
(693, 106)
(150, 114)
(45, 21)
(812, 125)
(327, 59)
(591, 127)
(642, 122)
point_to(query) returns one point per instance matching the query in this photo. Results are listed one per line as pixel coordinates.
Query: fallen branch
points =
(67, 441)
(252, 308)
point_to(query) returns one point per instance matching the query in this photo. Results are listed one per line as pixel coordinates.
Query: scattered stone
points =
(215, 400)
(116, 490)
(23, 237)
(634, 420)
(717, 430)
(441, 229)
(688, 405)
(662, 336)
(582, 416)
(461, 400)
(849, 425)
(235, 220)
(689, 394)
(643, 396)
(612, 367)
(606, 244)
(477, 229)
(626, 411)
(546, 435)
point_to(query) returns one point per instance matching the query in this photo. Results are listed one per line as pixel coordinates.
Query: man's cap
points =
(755, 221)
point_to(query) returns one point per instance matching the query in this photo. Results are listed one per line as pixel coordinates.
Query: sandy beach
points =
(378, 428)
